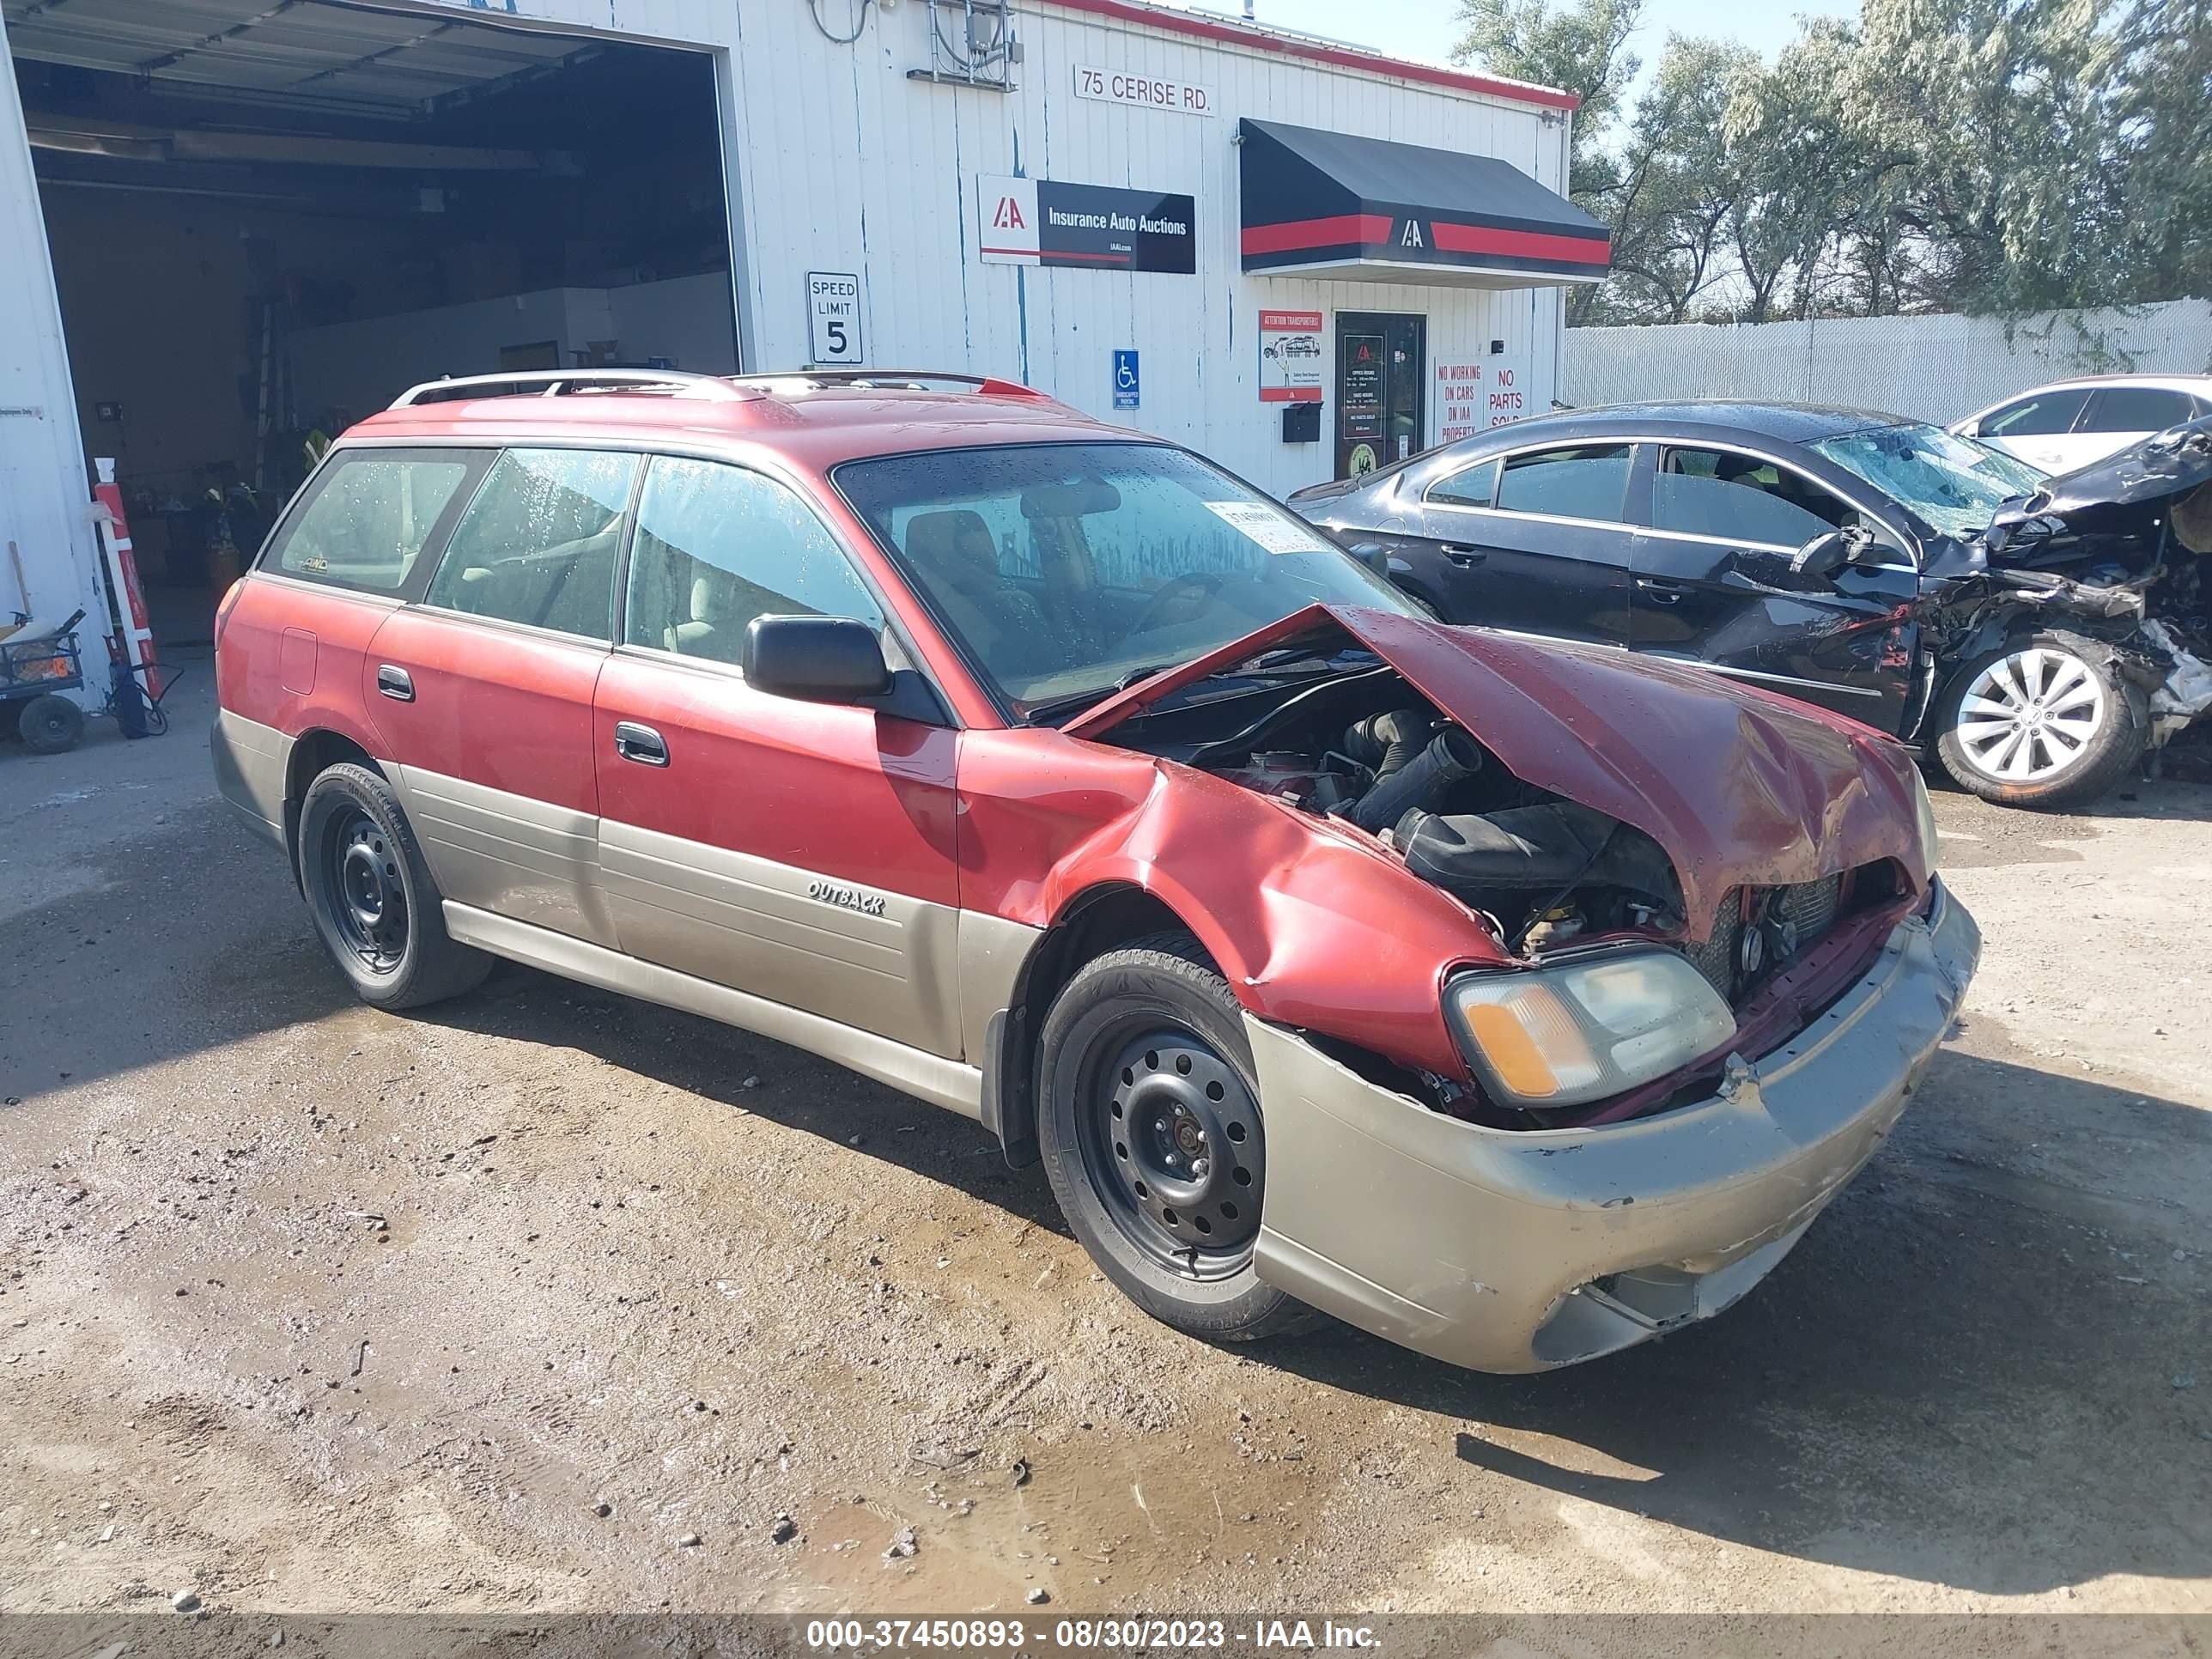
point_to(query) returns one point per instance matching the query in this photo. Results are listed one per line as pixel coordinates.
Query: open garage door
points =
(270, 216)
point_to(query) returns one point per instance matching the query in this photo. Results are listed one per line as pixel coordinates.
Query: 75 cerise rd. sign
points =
(1112, 86)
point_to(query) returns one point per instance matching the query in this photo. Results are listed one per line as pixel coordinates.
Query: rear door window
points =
(1728, 496)
(1579, 481)
(369, 514)
(2043, 415)
(717, 546)
(539, 543)
(1471, 486)
(2137, 408)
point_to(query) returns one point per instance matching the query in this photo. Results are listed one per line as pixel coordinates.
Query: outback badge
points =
(850, 898)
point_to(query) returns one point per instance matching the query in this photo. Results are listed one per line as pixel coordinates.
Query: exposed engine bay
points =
(1541, 871)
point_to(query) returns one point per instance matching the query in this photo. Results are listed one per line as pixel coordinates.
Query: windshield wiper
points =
(1045, 713)
(1285, 656)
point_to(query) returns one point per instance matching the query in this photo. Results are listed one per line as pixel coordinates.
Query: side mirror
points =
(818, 659)
(1374, 556)
(1831, 549)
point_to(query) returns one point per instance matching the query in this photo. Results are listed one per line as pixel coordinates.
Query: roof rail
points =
(899, 379)
(553, 383)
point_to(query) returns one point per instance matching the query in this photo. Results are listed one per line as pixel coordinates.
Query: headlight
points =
(1924, 815)
(1588, 1031)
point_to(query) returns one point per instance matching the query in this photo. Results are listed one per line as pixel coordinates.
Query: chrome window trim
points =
(1429, 495)
(1505, 457)
(1527, 517)
(1903, 543)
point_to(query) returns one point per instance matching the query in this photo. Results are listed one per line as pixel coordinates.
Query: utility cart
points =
(34, 674)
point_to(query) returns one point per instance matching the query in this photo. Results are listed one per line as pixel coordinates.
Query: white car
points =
(2071, 423)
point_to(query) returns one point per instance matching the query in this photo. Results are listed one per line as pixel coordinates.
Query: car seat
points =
(958, 558)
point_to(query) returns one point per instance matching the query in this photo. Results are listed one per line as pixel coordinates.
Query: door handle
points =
(1466, 555)
(396, 683)
(641, 744)
(1659, 590)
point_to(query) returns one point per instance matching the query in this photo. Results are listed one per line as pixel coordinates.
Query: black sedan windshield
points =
(1955, 483)
(1067, 571)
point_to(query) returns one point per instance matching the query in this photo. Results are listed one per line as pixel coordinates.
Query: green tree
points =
(1977, 155)
(2162, 121)
(1582, 48)
(1983, 125)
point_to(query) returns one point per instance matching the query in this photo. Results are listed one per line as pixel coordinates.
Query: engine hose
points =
(1385, 742)
(1450, 756)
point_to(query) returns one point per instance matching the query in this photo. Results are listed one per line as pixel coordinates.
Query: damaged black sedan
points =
(2035, 634)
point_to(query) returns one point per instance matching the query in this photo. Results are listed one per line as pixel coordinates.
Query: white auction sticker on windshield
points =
(1274, 532)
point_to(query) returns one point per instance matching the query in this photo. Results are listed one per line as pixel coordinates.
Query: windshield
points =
(1955, 483)
(1069, 570)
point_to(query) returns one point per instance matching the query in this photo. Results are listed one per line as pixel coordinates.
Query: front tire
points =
(1149, 1127)
(372, 897)
(2035, 723)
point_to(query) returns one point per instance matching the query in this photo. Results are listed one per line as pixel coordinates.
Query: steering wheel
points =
(1186, 589)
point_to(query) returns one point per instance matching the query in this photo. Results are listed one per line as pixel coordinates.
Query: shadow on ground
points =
(1952, 1315)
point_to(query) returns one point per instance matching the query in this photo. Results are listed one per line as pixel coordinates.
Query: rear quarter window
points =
(369, 516)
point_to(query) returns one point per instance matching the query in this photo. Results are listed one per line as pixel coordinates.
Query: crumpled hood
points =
(1738, 786)
(2163, 467)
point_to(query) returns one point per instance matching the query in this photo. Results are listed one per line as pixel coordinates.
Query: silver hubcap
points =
(2031, 715)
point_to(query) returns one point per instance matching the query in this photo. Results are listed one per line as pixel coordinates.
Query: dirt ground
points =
(307, 1307)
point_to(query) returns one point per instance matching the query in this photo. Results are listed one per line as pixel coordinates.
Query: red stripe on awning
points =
(1520, 244)
(1376, 229)
(1317, 233)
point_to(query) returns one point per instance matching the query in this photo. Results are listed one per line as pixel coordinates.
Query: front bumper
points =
(1521, 1250)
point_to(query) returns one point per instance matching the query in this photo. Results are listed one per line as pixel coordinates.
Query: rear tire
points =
(1149, 1127)
(49, 723)
(374, 903)
(2034, 723)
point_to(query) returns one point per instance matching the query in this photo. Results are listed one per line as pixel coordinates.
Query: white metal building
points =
(239, 220)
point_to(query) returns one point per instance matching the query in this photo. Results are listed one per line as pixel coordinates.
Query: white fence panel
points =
(1934, 367)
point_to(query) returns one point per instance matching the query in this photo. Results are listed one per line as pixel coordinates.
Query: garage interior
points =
(268, 218)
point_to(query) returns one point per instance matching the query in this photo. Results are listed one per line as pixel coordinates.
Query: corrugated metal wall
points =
(1935, 368)
(842, 164)
(45, 493)
(837, 160)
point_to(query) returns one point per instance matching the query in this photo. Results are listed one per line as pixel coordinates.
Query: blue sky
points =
(1426, 29)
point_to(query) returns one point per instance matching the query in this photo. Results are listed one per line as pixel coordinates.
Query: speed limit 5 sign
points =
(833, 312)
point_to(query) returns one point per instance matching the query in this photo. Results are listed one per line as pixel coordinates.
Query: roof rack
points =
(897, 379)
(554, 383)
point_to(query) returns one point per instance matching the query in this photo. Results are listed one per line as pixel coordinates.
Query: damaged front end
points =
(1675, 870)
(2115, 561)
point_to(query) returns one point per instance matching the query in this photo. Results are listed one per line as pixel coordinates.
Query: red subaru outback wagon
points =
(1514, 1000)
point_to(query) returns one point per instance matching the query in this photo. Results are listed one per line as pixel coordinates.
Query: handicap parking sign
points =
(1124, 379)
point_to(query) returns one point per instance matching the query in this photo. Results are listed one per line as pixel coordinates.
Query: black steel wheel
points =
(1150, 1129)
(1173, 1139)
(372, 895)
(366, 898)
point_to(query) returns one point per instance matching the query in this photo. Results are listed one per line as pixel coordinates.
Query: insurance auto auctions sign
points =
(1040, 221)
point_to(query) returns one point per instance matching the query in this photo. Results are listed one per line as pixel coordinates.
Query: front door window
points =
(1381, 374)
